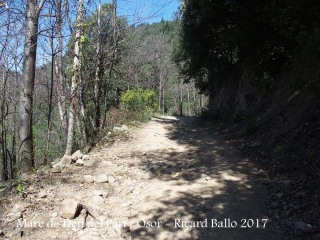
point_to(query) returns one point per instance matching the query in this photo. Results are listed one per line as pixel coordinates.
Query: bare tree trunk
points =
(194, 100)
(50, 104)
(115, 43)
(200, 104)
(160, 89)
(13, 153)
(81, 117)
(98, 74)
(74, 81)
(163, 99)
(25, 151)
(3, 141)
(181, 98)
(188, 100)
(61, 90)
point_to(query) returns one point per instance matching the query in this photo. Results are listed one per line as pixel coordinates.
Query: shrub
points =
(139, 100)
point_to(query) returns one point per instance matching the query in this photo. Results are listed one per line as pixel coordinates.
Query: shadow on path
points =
(207, 183)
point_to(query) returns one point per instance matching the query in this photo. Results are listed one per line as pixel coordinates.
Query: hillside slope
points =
(279, 128)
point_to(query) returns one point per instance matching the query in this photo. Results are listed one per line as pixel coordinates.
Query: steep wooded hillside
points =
(258, 62)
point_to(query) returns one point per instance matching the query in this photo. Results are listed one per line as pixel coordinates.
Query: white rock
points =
(177, 175)
(55, 214)
(121, 129)
(67, 160)
(76, 155)
(85, 157)
(79, 162)
(92, 162)
(111, 179)
(88, 178)
(14, 216)
(97, 201)
(57, 168)
(69, 208)
(101, 178)
(18, 208)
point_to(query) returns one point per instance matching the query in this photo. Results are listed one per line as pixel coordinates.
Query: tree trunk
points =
(160, 90)
(61, 90)
(74, 81)
(81, 117)
(50, 102)
(98, 75)
(188, 100)
(25, 151)
(200, 104)
(163, 100)
(3, 140)
(115, 42)
(13, 153)
(181, 98)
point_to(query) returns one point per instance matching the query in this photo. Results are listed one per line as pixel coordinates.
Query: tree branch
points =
(40, 7)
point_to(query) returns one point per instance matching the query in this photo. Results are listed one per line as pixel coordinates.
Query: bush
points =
(140, 100)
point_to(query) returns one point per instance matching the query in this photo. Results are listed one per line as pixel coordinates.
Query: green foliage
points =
(84, 39)
(269, 36)
(139, 100)
(20, 187)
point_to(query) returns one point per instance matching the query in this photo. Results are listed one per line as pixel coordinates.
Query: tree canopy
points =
(266, 35)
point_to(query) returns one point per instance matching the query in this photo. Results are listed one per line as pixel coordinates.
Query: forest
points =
(221, 75)
(75, 63)
(258, 63)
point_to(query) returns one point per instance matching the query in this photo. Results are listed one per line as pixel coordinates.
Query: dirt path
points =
(173, 180)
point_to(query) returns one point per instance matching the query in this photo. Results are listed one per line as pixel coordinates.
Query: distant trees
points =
(75, 55)
(10, 41)
(148, 62)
